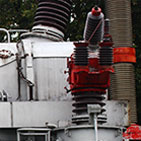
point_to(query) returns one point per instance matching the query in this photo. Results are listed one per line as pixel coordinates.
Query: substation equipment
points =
(53, 90)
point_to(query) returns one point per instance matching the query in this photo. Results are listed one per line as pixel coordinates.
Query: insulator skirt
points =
(81, 56)
(119, 13)
(91, 24)
(80, 103)
(106, 56)
(54, 13)
(82, 99)
(123, 86)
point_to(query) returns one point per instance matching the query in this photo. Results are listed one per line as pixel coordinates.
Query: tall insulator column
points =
(123, 80)
(106, 47)
(88, 82)
(54, 14)
(94, 27)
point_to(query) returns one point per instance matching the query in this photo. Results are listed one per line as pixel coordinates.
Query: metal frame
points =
(7, 32)
(46, 133)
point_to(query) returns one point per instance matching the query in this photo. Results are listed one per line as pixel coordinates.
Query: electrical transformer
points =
(53, 90)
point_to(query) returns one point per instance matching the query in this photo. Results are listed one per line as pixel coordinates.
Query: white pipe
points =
(18, 136)
(95, 127)
(18, 30)
(8, 35)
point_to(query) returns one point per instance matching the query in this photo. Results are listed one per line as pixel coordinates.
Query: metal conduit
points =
(123, 80)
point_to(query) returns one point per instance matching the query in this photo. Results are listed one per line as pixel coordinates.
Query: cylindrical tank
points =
(123, 80)
(94, 27)
(86, 133)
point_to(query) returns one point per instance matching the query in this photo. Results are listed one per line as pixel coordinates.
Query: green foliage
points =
(80, 9)
(17, 14)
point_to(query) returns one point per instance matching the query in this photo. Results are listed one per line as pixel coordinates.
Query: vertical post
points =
(95, 127)
(7, 32)
(93, 111)
(48, 135)
(18, 136)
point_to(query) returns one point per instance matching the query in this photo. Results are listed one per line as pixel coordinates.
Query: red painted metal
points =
(124, 54)
(96, 11)
(92, 77)
(133, 132)
(89, 74)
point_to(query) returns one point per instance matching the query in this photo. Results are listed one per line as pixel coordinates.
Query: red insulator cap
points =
(96, 11)
(80, 44)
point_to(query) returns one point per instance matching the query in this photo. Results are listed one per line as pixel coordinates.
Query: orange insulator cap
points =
(96, 11)
(124, 54)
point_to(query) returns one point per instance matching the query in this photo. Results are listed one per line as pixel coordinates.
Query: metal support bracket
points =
(93, 111)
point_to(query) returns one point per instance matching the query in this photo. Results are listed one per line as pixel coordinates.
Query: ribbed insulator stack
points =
(106, 56)
(93, 32)
(123, 86)
(119, 13)
(123, 80)
(106, 47)
(53, 13)
(81, 56)
(82, 99)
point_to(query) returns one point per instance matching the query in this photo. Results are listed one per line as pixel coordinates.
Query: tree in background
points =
(80, 8)
(16, 14)
(20, 15)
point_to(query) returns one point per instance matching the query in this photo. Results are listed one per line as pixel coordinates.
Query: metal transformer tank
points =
(36, 72)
